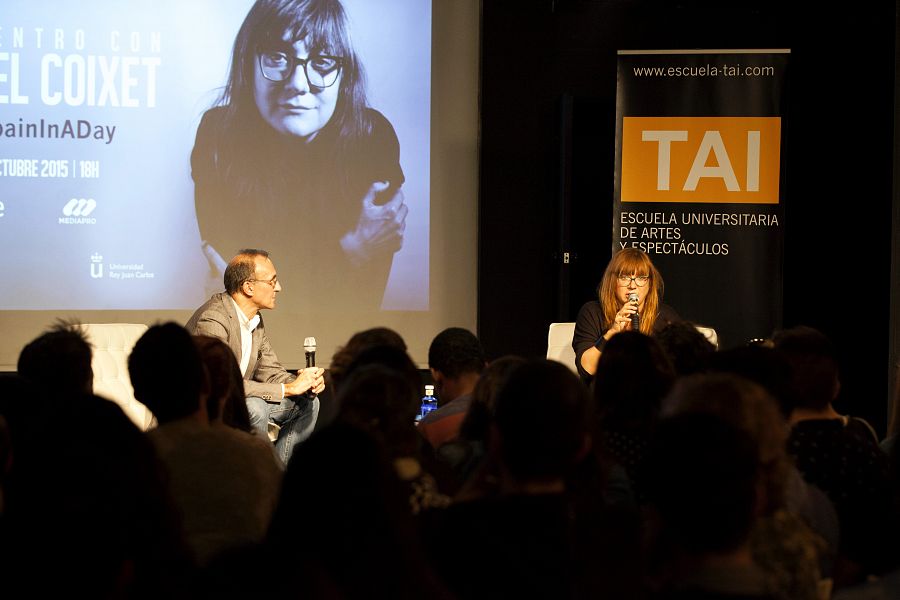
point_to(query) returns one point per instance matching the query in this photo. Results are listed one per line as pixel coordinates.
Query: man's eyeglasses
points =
(321, 71)
(639, 280)
(273, 282)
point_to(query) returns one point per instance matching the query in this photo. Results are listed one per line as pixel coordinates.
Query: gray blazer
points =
(264, 376)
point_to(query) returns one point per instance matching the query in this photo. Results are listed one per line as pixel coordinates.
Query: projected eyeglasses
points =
(321, 71)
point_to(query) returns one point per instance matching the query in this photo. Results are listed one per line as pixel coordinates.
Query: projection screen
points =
(145, 143)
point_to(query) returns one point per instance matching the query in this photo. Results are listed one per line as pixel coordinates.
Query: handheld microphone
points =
(635, 318)
(309, 345)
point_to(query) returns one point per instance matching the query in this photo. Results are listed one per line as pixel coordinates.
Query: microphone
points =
(309, 345)
(635, 318)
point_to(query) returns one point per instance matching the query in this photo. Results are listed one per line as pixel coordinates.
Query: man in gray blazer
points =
(282, 405)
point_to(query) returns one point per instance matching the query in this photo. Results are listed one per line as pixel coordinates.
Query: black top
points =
(589, 328)
(254, 188)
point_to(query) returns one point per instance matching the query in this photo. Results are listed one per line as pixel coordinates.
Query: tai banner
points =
(700, 181)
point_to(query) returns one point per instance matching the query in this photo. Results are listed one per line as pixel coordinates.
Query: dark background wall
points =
(548, 85)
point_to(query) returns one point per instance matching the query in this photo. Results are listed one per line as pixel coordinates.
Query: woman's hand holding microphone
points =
(624, 316)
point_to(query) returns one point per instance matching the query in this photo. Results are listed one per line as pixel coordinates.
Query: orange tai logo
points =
(701, 159)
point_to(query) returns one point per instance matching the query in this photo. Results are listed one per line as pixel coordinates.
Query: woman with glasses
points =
(293, 159)
(630, 297)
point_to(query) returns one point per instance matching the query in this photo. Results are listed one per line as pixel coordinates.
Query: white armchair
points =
(111, 344)
(710, 334)
(559, 344)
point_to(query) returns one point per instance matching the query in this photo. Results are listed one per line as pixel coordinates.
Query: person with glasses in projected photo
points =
(293, 157)
(630, 297)
(282, 406)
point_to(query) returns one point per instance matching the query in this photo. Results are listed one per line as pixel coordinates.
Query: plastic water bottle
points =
(429, 403)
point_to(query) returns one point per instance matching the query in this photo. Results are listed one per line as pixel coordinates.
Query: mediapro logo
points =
(79, 207)
(77, 211)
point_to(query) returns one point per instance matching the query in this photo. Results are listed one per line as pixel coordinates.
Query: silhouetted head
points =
(633, 375)
(749, 407)
(456, 351)
(166, 372)
(382, 400)
(541, 416)
(376, 336)
(701, 474)
(62, 355)
(760, 364)
(477, 422)
(227, 400)
(687, 349)
(815, 379)
(362, 538)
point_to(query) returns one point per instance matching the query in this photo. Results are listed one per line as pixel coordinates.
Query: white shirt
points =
(247, 327)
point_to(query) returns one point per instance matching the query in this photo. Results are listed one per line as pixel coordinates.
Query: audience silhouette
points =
(840, 454)
(225, 482)
(633, 375)
(682, 472)
(702, 477)
(517, 531)
(781, 541)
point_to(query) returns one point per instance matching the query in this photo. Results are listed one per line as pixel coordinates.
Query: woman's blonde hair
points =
(630, 261)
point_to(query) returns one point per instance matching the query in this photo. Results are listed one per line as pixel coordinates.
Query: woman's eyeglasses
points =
(321, 71)
(639, 280)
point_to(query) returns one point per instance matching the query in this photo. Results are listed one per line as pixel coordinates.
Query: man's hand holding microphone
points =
(311, 380)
